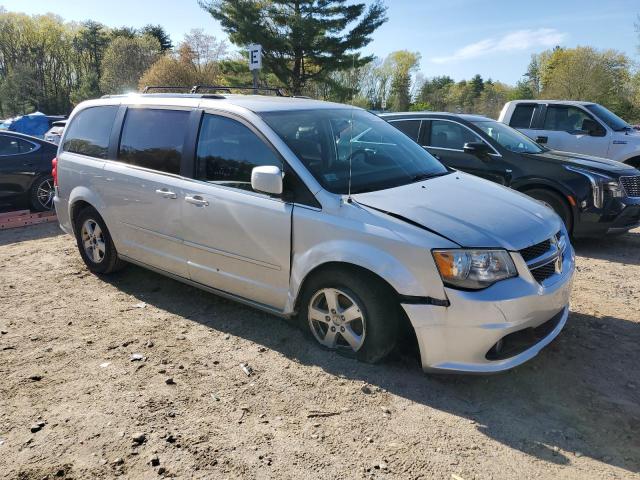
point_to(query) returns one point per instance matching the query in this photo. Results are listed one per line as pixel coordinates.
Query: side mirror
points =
(267, 179)
(593, 128)
(479, 149)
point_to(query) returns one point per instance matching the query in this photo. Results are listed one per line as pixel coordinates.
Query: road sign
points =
(255, 57)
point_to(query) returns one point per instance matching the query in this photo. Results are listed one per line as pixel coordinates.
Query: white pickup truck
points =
(571, 126)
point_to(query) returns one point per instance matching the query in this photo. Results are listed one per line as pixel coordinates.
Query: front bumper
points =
(461, 337)
(619, 215)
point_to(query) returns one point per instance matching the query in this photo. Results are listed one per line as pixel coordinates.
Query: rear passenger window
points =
(410, 128)
(9, 146)
(228, 151)
(90, 130)
(522, 116)
(15, 146)
(24, 146)
(153, 138)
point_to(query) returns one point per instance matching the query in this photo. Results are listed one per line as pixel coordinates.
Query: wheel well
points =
(345, 267)
(406, 332)
(524, 189)
(76, 208)
(633, 161)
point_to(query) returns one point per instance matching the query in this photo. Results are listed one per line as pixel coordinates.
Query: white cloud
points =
(513, 41)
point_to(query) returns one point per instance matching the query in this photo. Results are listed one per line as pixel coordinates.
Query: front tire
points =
(353, 313)
(95, 244)
(556, 203)
(42, 193)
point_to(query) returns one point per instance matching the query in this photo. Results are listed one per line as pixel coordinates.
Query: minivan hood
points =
(603, 165)
(468, 210)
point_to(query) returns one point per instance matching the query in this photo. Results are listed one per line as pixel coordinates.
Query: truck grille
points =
(631, 185)
(545, 258)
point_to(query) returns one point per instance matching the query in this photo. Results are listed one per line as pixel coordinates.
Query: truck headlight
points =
(473, 269)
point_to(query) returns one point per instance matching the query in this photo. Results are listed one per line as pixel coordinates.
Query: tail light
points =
(54, 171)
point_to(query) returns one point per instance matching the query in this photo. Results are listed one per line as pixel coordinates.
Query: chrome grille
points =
(631, 185)
(544, 258)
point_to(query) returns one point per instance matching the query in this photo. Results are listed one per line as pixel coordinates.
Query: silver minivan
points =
(318, 211)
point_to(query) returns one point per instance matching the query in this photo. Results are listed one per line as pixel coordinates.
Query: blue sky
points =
(455, 37)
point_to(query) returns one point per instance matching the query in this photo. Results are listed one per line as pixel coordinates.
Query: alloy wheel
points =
(93, 241)
(336, 320)
(45, 194)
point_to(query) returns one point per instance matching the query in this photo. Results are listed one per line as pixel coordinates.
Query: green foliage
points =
(477, 85)
(88, 88)
(127, 32)
(36, 63)
(19, 91)
(196, 62)
(89, 44)
(159, 33)
(302, 40)
(435, 91)
(523, 91)
(125, 60)
(420, 107)
(584, 73)
(403, 64)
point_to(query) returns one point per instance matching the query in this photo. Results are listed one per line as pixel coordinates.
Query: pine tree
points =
(302, 40)
(477, 85)
(159, 34)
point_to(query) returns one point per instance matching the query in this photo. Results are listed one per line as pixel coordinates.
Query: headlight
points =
(601, 186)
(474, 269)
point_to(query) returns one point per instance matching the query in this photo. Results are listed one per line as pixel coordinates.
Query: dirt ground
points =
(67, 372)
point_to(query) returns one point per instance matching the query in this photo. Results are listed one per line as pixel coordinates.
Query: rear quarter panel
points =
(80, 178)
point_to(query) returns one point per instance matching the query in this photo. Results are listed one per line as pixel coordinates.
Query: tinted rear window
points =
(90, 130)
(522, 116)
(153, 138)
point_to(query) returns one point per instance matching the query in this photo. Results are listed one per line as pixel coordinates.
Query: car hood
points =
(468, 210)
(603, 165)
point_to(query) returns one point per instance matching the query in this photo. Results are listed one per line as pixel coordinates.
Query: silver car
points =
(54, 134)
(320, 211)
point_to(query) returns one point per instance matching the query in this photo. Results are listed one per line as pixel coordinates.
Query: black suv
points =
(592, 195)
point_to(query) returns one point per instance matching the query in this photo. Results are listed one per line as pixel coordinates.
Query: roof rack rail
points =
(227, 88)
(164, 87)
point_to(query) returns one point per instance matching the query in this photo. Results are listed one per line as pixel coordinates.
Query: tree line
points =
(310, 48)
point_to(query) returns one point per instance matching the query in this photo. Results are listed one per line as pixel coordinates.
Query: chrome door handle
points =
(196, 200)
(164, 192)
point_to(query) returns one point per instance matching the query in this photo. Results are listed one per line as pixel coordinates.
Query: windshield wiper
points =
(426, 176)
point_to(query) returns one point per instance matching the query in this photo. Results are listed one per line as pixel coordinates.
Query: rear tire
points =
(42, 193)
(95, 244)
(364, 322)
(556, 203)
